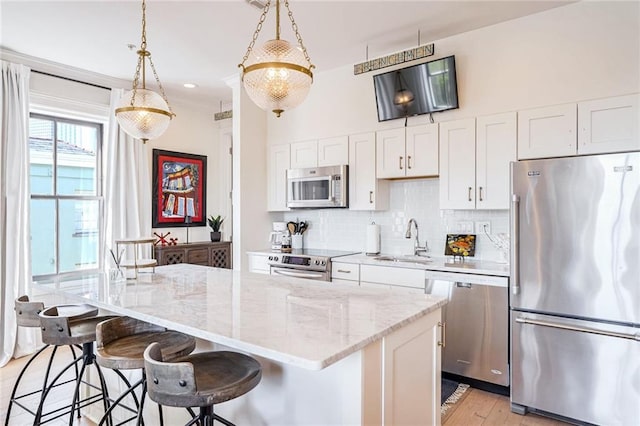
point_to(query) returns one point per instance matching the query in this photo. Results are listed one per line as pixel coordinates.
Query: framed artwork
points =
(460, 245)
(179, 189)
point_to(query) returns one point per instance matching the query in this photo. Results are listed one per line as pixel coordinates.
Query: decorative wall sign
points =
(179, 189)
(394, 59)
(223, 115)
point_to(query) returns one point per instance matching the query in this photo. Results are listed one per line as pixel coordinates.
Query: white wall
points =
(585, 50)
(194, 131)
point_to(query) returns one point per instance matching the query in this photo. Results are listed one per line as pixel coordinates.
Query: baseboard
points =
(478, 384)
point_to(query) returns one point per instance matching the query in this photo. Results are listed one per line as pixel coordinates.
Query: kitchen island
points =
(331, 354)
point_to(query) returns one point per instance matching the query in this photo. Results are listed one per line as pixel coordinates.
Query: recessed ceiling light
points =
(190, 85)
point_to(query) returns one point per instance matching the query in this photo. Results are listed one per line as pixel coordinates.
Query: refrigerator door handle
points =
(523, 320)
(515, 244)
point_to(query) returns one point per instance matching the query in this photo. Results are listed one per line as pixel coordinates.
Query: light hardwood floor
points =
(485, 408)
(33, 380)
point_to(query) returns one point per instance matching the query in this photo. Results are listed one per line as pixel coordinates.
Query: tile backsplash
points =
(343, 229)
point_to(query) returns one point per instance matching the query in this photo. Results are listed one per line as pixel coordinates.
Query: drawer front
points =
(199, 256)
(393, 276)
(345, 271)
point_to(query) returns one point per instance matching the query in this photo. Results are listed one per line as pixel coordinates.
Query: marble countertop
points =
(309, 324)
(444, 264)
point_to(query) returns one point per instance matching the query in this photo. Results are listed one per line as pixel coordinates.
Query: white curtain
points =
(15, 249)
(127, 185)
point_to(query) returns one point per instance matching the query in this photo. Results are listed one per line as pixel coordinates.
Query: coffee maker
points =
(275, 237)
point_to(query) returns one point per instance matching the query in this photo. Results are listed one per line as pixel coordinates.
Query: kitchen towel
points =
(373, 239)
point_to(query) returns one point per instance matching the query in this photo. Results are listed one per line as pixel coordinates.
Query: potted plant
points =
(215, 223)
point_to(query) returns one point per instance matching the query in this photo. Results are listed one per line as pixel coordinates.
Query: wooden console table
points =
(203, 253)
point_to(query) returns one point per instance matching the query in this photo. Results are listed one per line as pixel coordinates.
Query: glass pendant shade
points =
(147, 117)
(277, 76)
(403, 98)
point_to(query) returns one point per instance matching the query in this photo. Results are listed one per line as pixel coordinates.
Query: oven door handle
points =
(298, 274)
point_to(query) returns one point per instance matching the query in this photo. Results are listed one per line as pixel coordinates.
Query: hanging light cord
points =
(142, 54)
(294, 26)
(256, 33)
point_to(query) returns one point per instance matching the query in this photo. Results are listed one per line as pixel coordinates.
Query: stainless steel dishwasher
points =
(476, 320)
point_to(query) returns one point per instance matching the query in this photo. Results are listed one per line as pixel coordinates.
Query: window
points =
(66, 195)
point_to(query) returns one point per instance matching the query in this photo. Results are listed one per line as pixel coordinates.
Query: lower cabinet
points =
(207, 254)
(405, 279)
(259, 263)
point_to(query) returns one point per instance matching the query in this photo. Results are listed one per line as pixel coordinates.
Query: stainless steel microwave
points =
(318, 187)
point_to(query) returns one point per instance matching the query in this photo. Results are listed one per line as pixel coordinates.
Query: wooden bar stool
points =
(27, 316)
(78, 329)
(200, 380)
(120, 346)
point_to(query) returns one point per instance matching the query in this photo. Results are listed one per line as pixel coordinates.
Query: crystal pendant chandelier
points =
(277, 76)
(142, 113)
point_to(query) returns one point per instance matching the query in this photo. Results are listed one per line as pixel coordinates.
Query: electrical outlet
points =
(483, 227)
(465, 227)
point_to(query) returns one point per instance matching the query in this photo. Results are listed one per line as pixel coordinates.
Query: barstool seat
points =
(27, 315)
(77, 329)
(121, 343)
(200, 380)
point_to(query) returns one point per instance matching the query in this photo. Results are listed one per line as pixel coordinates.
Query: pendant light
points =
(277, 76)
(403, 97)
(143, 113)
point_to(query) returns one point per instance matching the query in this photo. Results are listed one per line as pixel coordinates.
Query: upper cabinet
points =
(590, 127)
(318, 153)
(304, 154)
(495, 149)
(457, 164)
(279, 161)
(547, 132)
(609, 125)
(474, 162)
(366, 191)
(407, 152)
(333, 151)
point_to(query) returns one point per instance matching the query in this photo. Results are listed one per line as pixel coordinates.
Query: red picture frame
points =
(179, 189)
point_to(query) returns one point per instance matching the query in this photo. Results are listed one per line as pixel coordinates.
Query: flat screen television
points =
(419, 89)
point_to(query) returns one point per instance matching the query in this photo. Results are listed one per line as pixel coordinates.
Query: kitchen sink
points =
(404, 259)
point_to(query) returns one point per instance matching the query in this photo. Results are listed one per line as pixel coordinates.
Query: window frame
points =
(99, 196)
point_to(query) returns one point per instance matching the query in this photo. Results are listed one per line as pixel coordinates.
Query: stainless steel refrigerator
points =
(575, 287)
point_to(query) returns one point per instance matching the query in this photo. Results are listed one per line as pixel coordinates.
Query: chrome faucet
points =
(417, 250)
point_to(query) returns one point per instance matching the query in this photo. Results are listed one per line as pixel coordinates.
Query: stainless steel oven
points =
(306, 263)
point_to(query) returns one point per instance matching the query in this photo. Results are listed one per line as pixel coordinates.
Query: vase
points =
(216, 236)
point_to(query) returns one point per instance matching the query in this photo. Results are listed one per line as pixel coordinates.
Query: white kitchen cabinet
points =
(609, 125)
(333, 151)
(457, 164)
(547, 132)
(279, 162)
(366, 191)
(304, 154)
(496, 141)
(345, 271)
(422, 150)
(259, 263)
(407, 152)
(407, 278)
(474, 162)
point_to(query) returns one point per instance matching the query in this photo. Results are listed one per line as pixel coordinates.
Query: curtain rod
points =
(71, 79)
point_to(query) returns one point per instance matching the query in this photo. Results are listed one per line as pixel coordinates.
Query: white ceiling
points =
(202, 42)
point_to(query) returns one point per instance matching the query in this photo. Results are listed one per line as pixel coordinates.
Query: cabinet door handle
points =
(470, 189)
(370, 197)
(400, 162)
(408, 162)
(480, 190)
(443, 335)
(344, 271)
